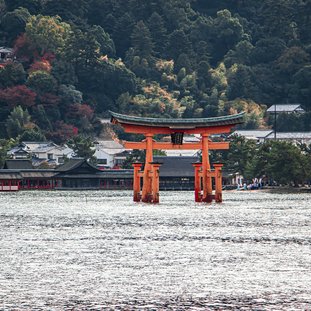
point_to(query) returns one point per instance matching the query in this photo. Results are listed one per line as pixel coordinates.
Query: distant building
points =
(258, 135)
(18, 165)
(40, 152)
(51, 153)
(176, 172)
(180, 152)
(6, 54)
(293, 137)
(263, 135)
(109, 153)
(286, 108)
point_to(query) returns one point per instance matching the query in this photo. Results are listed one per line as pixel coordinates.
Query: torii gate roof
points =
(182, 125)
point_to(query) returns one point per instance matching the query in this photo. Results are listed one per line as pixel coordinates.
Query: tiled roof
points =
(76, 163)
(9, 174)
(178, 123)
(285, 108)
(176, 166)
(5, 50)
(109, 144)
(291, 135)
(17, 164)
(253, 133)
(71, 164)
(37, 173)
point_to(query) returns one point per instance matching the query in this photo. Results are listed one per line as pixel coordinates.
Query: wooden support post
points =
(206, 170)
(136, 182)
(155, 181)
(218, 182)
(197, 182)
(147, 186)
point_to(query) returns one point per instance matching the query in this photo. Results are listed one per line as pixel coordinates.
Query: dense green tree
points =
(241, 54)
(32, 135)
(183, 61)
(41, 118)
(226, 32)
(302, 86)
(141, 41)
(5, 145)
(106, 43)
(108, 81)
(204, 76)
(68, 10)
(41, 82)
(64, 72)
(303, 20)
(33, 6)
(239, 155)
(14, 22)
(292, 60)
(82, 50)
(122, 33)
(12, 74)
(48, 34)
(241, 82)
(17, 122)
(69, 95)
(281, 161)
(283, 26)
(134, 156)
(83, 147)
(178, 43)
(267, 50)
(158, 32)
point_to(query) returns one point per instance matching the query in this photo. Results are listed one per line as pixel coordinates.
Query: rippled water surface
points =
(98, 250)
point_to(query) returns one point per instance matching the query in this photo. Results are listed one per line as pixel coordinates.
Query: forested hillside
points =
(77, 59)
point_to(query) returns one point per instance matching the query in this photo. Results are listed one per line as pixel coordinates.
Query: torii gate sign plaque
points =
(177, 128)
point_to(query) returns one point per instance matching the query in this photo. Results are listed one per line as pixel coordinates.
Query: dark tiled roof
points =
(38, 173)
(9, 174)
(17, 164)
(176, 166)
(76, 164)
(70, 165)
(178, 123)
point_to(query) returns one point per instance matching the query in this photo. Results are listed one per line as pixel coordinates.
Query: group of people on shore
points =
(254, 185)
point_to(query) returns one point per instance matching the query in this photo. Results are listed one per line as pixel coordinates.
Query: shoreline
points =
(277, 189)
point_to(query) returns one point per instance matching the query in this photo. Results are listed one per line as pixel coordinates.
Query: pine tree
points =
(158, 33)
(142, 41)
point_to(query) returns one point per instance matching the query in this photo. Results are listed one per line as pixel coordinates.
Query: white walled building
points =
(109, 153)
(41, 152)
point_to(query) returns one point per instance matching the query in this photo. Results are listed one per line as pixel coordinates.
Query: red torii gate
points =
(177, 128)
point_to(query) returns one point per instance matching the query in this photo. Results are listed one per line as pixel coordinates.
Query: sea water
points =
(97, 250)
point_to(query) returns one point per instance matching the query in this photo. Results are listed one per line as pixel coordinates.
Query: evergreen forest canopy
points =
(77, 59)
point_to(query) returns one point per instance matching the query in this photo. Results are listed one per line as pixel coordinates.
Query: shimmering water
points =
(98, 250)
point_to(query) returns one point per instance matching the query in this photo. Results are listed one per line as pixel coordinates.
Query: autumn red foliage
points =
(42, 65)
(80, 110)
(48, 99)
(18, 95)
(24, 50)
(62, 132)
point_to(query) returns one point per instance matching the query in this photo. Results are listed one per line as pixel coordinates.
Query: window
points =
(102, 161)
(50, 156)
(119, 161)
(61, 160)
